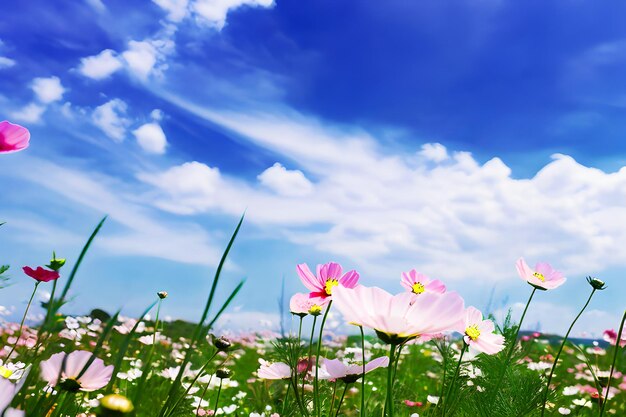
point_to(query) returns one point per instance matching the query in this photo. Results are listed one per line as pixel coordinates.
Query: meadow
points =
(418, 352)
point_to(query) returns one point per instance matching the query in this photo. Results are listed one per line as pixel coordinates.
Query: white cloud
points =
(147, 58)
(30, 113)
(6, 62)
(100, 66)
(137, 230)
(97, 5)
(285, 182)
(151, 138)
(177, 9)
(214, 12)
(189, 181)
(109, 117)
(450, 219)
(141, 58)
(48, 90)
(435, 152)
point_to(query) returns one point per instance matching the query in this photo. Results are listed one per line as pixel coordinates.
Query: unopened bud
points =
(596, 283)
(162, 294)
(56, 264)
(221, 343)
(223, 373)
(115, 405)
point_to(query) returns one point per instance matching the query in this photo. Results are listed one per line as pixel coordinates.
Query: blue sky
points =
(451, 137)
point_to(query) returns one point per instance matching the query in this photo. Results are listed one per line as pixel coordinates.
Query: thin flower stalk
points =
(363, 376)
(556, 359)
(454, 378)
(318, 407)
(617, 347)
(19, 332)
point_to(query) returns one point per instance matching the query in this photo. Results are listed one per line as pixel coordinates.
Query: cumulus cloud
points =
(109, 117)
(449, 218)
(177, 9)
(48, 90)
(148, 57)
(214, 13)
(30, 113)
(151, 138)
(100, 66)
(435, 152)
(285, 182)
(6, 62)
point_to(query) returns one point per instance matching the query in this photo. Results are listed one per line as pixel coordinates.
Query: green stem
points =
(512, 347)
(310, 351)
(556, 360)
(341, 400)
(317, 360)
(177, 402)
(156, 322)
(19, 332)
(363, 376)
(332, 401)
(454, 378)
(282, 413)
(217, 400)
(202, 397)
(389, 400)
(617, 346)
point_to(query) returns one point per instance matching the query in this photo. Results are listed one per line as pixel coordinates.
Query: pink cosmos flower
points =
(399, 318)
(41, 274)
(276, 370)
(301, 304)
(543, 277)
(328, 277)
(479, 333)
(95, 377)
(611, 337)
(8, 390)
(418, 283)
(13, 138)
(336, 369)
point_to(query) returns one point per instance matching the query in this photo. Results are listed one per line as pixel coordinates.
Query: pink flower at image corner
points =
(418, 283)
(96, 376)
(41, 274)
(13, 138)
(328, 277)
(479, 334)
(543, 277)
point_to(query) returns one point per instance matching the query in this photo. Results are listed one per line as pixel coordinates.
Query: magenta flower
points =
(543, 277)
(41, 274)
(277, 370)
(418, 283)
(402, 317)
(301, 305)
(611, 337)
(336, 369)
(328, 277)
(96, 376)
(13, 138)
(479, 333)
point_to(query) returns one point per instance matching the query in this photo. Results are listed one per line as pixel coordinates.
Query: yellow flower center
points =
(315, 309)
(418, 288)
(330, 284)
(5, 372)
(539, 276)
(472, 332)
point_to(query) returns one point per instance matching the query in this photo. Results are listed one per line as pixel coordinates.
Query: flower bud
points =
(56, 264)
(221, 343)
(223, 373)
(114, 405)
(162, 294)
(596, 283)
